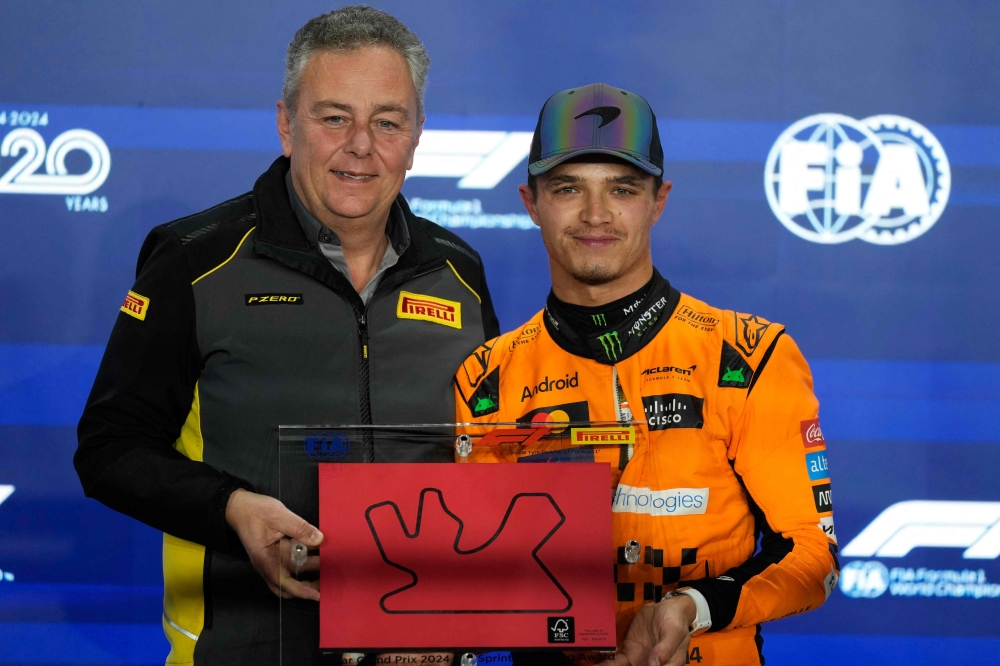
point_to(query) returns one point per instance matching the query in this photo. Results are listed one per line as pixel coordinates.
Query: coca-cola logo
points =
(812, 436)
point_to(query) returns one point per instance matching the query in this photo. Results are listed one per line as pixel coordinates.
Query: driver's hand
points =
(659, 635)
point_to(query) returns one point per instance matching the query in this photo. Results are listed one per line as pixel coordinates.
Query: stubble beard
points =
(595, 274)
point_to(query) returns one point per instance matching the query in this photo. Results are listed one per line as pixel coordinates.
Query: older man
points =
(289, 304)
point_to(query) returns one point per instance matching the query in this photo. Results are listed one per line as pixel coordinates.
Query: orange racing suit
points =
(730, 451)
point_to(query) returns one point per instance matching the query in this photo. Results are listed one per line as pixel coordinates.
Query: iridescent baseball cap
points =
(596, 119)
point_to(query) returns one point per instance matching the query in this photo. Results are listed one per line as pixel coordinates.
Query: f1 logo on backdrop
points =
(480, 158)
(904, 526)
(974, 526)
(830, 178)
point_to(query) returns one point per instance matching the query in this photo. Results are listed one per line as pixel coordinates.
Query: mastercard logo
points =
(555, 416)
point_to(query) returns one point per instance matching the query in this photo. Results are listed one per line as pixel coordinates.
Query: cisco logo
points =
(830, 179)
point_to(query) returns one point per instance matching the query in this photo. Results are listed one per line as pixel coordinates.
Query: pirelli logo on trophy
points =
(602, 436)
(429, 308)
(135, 305)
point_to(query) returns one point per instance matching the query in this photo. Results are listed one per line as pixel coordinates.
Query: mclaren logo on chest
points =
(429, 308)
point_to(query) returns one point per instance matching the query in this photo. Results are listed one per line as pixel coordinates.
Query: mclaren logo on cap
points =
(135, 305)
(429, 308)
(607, 114)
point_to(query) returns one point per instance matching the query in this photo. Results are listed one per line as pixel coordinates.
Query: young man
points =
(722, 459)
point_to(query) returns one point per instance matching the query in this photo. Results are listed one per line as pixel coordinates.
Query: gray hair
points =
(347, 29)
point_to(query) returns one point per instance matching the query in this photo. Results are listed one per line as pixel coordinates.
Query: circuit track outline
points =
(458, 537)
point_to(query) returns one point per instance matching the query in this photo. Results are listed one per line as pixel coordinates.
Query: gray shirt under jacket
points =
(329, 244)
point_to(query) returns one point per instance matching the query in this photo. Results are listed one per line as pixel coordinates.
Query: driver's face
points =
(595, 217)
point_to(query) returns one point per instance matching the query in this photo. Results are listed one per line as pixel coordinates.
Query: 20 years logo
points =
(830, 178)
(41, 169)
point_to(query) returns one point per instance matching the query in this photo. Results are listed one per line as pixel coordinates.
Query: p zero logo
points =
(823, 498)
(135, 305)
(670, 502)
(273, 299)
(904, 526)
(812, 436)
(429, 308)
(602, 436)
(673, 410)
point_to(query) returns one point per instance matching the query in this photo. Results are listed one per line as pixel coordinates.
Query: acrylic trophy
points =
(455, 553)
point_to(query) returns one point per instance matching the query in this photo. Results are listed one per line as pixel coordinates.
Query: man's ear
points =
(416, 142)
(284, 120)
(661, 199)
(528, 199)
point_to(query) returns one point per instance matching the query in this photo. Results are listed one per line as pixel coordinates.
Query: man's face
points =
(352, 137)
(595, 218)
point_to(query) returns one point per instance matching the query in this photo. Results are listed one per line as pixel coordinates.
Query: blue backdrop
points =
(875, 239)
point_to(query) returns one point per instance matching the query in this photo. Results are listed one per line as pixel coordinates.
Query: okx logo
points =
(830, 178)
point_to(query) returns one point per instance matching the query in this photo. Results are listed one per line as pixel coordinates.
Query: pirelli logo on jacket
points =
(429, 308)
(135, 305)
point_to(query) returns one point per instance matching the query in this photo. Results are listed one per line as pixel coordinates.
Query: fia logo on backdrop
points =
(830, 179)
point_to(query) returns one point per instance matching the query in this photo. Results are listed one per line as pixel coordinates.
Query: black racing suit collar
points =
(280, 237)
(613, 332)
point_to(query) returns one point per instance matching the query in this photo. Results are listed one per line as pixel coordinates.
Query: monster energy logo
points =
(608, 341)
(598, 320)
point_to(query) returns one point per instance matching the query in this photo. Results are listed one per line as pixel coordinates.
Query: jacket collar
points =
(618, 342)
(280, 237)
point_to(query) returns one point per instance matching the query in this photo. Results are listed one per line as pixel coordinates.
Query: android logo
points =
(484, 403)
(733, 375)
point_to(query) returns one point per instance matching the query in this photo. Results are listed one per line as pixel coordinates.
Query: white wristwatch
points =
(703, 616)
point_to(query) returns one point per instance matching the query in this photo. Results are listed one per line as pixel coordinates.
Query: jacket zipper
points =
(623, 413)
(364, 381)
(365, 385)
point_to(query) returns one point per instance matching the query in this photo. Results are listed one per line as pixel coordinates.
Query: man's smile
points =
(354, 176)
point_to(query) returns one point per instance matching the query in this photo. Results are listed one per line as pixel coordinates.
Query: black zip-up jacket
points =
(237, 324)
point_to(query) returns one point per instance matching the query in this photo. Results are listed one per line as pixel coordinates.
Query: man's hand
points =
(266, 528)
(659, 634)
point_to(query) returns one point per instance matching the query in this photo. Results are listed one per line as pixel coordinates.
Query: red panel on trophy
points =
(465, 556)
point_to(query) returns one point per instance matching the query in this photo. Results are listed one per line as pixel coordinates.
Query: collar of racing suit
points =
(612, 332)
